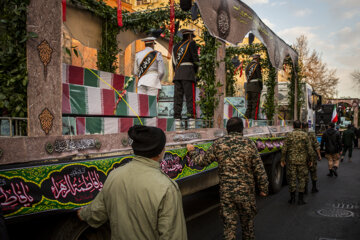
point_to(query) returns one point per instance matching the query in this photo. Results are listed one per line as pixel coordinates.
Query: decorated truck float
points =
(78, 120)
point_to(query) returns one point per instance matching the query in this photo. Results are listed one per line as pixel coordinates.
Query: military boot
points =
(335, 171)
(301, 199)
(178, 124)
(330, 174)
(314, 189)
(292, 198)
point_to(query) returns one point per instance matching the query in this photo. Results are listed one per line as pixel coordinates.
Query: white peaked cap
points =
(148, 39)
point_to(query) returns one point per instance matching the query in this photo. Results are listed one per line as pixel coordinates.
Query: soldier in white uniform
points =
(149, 67)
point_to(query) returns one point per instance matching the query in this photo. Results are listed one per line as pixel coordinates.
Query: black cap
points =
(147, 141)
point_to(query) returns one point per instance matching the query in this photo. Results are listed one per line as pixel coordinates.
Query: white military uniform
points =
(149, 83)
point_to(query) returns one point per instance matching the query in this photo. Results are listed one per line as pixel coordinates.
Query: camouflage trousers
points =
(313, 172)
(333, 160)
(297, 173)
(230, 212)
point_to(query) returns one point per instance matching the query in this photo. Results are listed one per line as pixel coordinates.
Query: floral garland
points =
(208, 101)
(295, 70)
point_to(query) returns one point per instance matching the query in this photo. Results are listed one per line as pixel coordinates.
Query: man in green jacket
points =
(347, 142)
(138, 199)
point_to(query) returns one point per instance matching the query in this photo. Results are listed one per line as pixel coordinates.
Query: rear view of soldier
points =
(149, 67)
(315, 155)
(185, 64)
(295, 154)
(254, 86)
(240, 168)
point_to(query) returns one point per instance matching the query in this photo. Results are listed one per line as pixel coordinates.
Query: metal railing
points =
(13, 126)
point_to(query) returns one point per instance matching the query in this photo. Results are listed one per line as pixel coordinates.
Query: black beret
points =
(147, 141)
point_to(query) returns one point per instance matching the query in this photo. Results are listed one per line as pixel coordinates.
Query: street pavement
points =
(331, 214)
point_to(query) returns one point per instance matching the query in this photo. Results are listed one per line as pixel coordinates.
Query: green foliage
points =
(208, 101)
(13, 69)
(231, 52)
(269, 104)
(295, 71)
(270, 72)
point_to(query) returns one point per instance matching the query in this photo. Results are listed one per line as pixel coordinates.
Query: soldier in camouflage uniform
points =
(315, 155)
(296, 155)
(240, 167)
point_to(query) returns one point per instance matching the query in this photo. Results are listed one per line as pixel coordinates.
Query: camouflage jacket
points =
(315, 145)
(314, 142)
(240, 167)
(297, 148)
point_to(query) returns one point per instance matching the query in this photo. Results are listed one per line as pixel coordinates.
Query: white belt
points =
(151, 71)
(254, 80)
(186, 64)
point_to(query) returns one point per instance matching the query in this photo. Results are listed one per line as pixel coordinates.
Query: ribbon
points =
(282, 119)
(120, 96)
(247, 120)
(119, 14)
(172, 27)
(241, 70)
(119, 100)
(63, 3)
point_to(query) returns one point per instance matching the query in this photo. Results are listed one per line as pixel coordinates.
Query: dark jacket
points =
(348, 138)
(332, 141)
(187, 72)
(253, 71)
(357, 132)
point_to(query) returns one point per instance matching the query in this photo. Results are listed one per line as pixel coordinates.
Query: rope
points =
(117, 94)
(282, 119)
(236, 109)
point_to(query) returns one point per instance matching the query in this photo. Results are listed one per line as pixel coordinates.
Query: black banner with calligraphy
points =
(16, 193)
(62, 186)
(75, 183)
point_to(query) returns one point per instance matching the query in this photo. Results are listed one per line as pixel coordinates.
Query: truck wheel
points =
(74, 229)
(276, 174)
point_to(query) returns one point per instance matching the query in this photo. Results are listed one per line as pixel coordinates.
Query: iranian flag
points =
(334, 117)
(84, 100)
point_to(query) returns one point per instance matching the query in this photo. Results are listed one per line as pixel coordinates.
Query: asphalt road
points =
(333, 213)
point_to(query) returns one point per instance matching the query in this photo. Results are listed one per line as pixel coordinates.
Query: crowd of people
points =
(152, 206)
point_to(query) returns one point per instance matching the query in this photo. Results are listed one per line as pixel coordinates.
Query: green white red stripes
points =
(103, 125)
(84, 100)
(232, 106)
(83, 76)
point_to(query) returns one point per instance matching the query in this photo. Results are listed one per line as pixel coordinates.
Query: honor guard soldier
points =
(185, 63)
(149, 67)
(254, 86)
